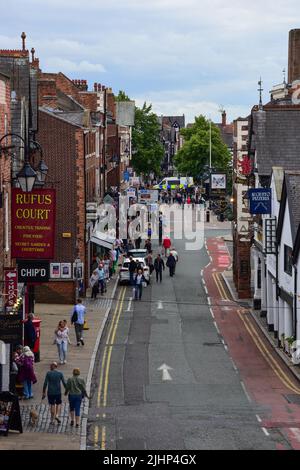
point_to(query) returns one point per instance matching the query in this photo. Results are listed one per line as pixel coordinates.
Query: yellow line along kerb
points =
(105, 349)
(267, 355)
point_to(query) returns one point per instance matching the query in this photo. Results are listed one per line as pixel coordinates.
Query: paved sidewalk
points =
(45, 436)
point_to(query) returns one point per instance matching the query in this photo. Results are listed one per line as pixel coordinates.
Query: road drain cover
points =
(293, 399)
(212, 344)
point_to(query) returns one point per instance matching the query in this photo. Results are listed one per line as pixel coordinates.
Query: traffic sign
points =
(260, 200)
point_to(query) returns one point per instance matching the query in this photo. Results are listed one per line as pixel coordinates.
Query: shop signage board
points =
(33, 223)
(11, 328)
(33, 271)
(260, 200)
(10, 286)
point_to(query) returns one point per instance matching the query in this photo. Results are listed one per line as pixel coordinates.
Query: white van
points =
(175, 182)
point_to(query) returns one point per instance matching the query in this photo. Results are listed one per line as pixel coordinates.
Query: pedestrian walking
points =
(52, 385)
(139, 283)
(26, 372)
(159, 266)
(138, 242)
(160, 229)
(94, 284)
(15, 368)
(76, 390)
(106, 268)
(171, 263)
(77, 320)
(149, 262)
(29, 332)
(130, 246)
(149, 231)
(62, 340)
(167, 244)
(132, 269)
(148, 245)
(101, 279)
(175, 254)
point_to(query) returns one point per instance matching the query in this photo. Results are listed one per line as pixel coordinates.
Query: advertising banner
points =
(33, 223)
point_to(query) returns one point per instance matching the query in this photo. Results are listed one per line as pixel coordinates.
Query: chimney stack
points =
(224, 120)
(23, 36)
(294, 55)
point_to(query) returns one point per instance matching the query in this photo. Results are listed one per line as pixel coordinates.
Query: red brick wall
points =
(58, 141)
(88, 100)
(5, 176)
(60, 292)
(47, 94)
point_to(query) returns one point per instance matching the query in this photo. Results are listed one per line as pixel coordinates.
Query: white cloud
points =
(55, 64)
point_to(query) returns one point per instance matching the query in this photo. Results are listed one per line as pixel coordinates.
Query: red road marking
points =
(261, 382)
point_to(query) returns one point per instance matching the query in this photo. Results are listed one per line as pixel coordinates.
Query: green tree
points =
(193, 158)
(148, 151)
(122, 96)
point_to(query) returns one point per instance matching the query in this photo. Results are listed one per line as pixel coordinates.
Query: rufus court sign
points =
(33, 223)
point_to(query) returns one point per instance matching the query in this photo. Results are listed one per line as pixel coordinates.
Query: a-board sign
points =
(10, 416)
(11, 328)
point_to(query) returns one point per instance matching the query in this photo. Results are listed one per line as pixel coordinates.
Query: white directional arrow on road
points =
(165, 372)
(160, 305)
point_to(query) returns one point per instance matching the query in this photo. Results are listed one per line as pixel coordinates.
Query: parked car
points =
(138, 253)
(124, 276)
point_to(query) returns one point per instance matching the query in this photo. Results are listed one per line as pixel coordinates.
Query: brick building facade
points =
(5, 177)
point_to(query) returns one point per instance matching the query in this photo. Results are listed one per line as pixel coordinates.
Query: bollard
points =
(207, 216)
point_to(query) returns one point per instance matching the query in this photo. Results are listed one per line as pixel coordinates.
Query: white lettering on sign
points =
(33, 272)
(261, 197)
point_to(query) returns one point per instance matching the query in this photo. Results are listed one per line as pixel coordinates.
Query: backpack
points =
(74, 316)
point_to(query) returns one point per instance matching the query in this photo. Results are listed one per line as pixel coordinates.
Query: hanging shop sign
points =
(33, 223)
(260, 200)
(10, 286)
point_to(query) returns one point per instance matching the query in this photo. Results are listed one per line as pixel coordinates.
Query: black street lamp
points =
(27, 177)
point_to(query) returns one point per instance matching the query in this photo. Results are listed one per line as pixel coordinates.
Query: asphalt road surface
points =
(163, 379)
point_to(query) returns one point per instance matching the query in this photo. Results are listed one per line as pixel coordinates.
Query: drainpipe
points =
(295, 300)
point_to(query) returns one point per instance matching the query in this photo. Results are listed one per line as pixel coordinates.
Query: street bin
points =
(222, 218)
(36, 349)
(207, 216)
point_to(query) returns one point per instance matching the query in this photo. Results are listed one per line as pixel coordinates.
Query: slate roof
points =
(76, 119)
(290, 193)
(67, 102)
(170, 120)
(276, 139)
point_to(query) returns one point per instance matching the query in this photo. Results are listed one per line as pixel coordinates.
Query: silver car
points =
(124, 275)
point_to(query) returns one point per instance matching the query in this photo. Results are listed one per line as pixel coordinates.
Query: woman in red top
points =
(167, 245)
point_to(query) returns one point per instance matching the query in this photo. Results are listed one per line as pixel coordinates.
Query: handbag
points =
(144, 284)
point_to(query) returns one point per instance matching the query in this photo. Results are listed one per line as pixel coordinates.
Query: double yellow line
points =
(266, 353)
(278, 370)
(220, 287)
(105, 366)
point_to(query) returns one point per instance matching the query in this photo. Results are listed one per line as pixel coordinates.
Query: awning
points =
(102, 239)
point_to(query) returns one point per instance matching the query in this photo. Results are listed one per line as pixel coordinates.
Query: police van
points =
(175, 183)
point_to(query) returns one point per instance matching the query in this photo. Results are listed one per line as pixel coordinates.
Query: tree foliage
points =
(193, 158)
(122, 96)
(148, 151)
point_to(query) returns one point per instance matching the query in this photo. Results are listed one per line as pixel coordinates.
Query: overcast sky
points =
(184, 56)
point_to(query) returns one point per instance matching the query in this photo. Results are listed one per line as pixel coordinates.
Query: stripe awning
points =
(102, 239)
